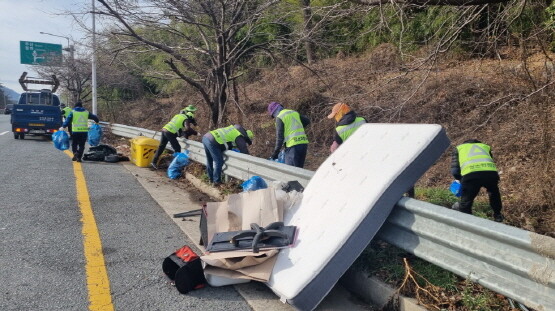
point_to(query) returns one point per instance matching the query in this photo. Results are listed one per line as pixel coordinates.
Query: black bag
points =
(185, 268)
(98, 153)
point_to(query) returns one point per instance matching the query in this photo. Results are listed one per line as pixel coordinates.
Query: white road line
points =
(4, 133)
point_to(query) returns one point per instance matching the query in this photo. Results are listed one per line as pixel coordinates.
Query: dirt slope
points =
(488, 99)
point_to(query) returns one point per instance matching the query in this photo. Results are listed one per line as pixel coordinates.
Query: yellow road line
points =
(98, 283)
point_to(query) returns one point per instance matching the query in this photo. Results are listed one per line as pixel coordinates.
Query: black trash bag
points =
(99, 153)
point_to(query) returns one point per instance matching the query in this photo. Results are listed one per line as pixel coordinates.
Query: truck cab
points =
(38, 111)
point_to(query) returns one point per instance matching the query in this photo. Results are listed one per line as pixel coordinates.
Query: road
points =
(93, 235)
(44, 254)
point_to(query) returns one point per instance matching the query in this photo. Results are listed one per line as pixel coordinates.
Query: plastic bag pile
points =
(281, 157)
(180, 160)
(254, 183)
(61, 140)
(95, 134)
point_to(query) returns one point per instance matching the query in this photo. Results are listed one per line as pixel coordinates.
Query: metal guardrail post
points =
(516, 263)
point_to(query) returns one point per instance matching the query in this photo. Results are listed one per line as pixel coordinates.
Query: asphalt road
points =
(42, 252)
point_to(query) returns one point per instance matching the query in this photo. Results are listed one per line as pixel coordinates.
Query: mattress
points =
(347, 201)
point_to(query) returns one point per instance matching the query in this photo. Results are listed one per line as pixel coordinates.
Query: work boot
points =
(74, 158)
(78, 159)
(498, 217)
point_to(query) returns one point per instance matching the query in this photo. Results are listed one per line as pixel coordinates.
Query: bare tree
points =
(74, 76)
(428, 2)
(205, 39)
(307, 30)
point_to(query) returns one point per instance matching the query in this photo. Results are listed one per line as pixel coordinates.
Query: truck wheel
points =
(21, 135)
(15, 135)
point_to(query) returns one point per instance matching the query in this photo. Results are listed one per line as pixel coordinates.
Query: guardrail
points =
(516, 263)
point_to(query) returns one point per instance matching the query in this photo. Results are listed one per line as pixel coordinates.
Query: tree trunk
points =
(307, 31)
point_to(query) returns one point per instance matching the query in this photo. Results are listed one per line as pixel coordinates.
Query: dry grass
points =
(485, 99)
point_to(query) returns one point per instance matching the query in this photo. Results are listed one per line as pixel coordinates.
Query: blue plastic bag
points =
(254, 183)
(180, 160)
(61, 140)
(281, 157)
(95, 133)
(455, 188)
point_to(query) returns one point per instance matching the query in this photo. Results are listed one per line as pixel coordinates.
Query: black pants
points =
(471, 187)
(296, 155)
(78, 143)
(166, 137)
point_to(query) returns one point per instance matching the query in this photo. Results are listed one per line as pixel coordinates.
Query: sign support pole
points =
(94, 110)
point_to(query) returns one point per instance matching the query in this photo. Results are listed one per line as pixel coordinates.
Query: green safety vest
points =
(176, 123)
(66, 111)
(226, 135)
(294, 130)
(80, 121)
(345, 131)
(475, 157)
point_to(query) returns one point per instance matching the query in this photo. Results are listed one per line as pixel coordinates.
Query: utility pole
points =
(94, 110)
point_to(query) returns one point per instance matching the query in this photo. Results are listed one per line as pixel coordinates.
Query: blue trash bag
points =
(180, 160)
(455, 188)
(254, 183)
(61, 140)
(95, 134)
(281, 157)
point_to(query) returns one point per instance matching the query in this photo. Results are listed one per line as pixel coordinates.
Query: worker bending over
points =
(472, 163)
(179, 125)
(347, 123)
(217, 141)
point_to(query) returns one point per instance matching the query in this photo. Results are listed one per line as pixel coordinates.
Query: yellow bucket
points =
(142, 150)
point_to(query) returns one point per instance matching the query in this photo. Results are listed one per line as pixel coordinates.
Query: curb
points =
(366, 287)
(376, 292)
(356, 283)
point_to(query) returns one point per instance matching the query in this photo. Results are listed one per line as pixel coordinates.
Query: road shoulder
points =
(173, 199)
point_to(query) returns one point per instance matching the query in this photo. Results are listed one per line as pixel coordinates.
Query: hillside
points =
(487, 99)
(11, 95)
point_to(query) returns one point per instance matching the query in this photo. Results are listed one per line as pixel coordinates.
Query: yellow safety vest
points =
(226, 135)
(80, 121)
(345, 131)
(475, 157)
(66, 111)
(294, 133)
(176, 123)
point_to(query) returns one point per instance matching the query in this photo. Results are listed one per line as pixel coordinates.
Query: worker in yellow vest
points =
(65, 113)
(219, 140)
(180, 125)
(472, 163)
(79, 118)
(347, 122)
(290, 131)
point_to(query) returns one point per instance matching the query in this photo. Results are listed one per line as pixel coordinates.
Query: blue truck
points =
(38, 111)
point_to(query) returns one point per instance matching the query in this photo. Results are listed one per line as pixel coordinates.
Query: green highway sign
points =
(39, 53)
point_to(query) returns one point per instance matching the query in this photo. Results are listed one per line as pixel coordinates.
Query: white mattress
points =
(347, 201)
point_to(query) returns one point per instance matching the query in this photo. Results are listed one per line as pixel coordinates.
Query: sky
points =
(23, 20)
